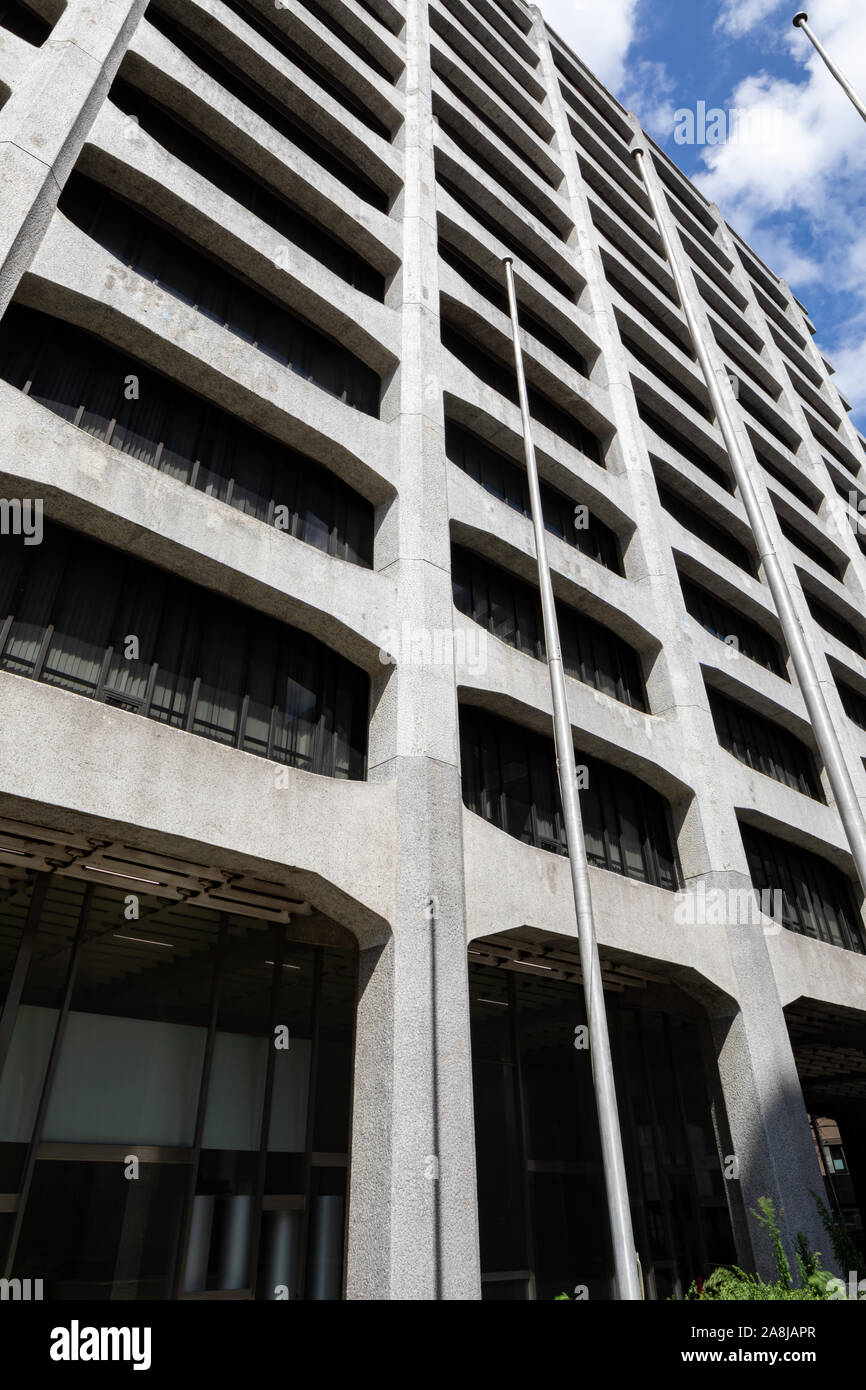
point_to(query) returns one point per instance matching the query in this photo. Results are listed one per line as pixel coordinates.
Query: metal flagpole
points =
(800, 23)
(622, 1239)
(826, 737)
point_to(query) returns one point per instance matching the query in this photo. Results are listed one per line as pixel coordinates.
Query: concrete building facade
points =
(293, 1001)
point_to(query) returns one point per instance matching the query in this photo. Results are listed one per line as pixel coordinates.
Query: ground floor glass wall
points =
(174, 1099)
(542, 1207)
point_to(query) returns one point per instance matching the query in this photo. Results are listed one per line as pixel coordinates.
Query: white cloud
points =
(738, 17)
(849, 359)
(599, 33)
(647, 89)
(796, 189)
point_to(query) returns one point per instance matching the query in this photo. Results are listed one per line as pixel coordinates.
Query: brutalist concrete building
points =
(293, 1003)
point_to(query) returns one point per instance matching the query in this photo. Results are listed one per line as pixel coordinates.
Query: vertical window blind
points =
(684, 447)
(762, 744)
(496, 294)
(723, 622)
(835, 624)
(308, 65)
(248, 189)
(214, 291)
(511, 610)
(716, 536)
(199, 662)
(83, 380)
(501, 377)
(506, 480)
(817, 899)
(492, 225)
(287, 123)
(509, 778)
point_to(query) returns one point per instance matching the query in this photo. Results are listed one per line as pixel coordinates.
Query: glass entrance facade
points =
(174, 1098)
(542, 1207)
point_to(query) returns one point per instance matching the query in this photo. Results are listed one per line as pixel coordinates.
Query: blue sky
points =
(794, 182)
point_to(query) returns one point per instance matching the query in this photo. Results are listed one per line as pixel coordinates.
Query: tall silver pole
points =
(819, 715)
(800, 23)
(622, 1239)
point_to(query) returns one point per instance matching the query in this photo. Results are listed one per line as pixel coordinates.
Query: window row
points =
(684, 447)
(85, 617)
(190, 275)
(502, 378)
(273, 112)
(807, 547)
(141, 413)
(764, 745)
(246, 188)
(573, 523)
(471, 150)
(501, 233)
(509, 778)
(817, 900)
(718, 537)
(673, 383)
(835, 624)
(308, 65)
(496, 295)
(511, 611)
(732, 627)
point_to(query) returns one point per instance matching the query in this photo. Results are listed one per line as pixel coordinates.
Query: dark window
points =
(327, 19)
(269, 109)
(203, 663)
(672, 382)
(493, 172)
(509, 778)
(809, 548)
(162, 257)
(634, 299)
(684, 447)
(507, 481)
(248, 189)
(764, 745)
(847, 464)
(501, 377)
(765, 417)
(308, 65)
(853, 702)
(541, 1204)
(781, 477)
(23, 22)
(837, 626)
(817, 899)
(495, 227)
(495, 294)
(83, 380)
(511, 610)
(481, 115)
(725, 622)
(701, 526)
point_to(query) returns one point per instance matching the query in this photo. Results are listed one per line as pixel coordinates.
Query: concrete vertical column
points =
(46, 119)
(413, 1222)
(765, 1115)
